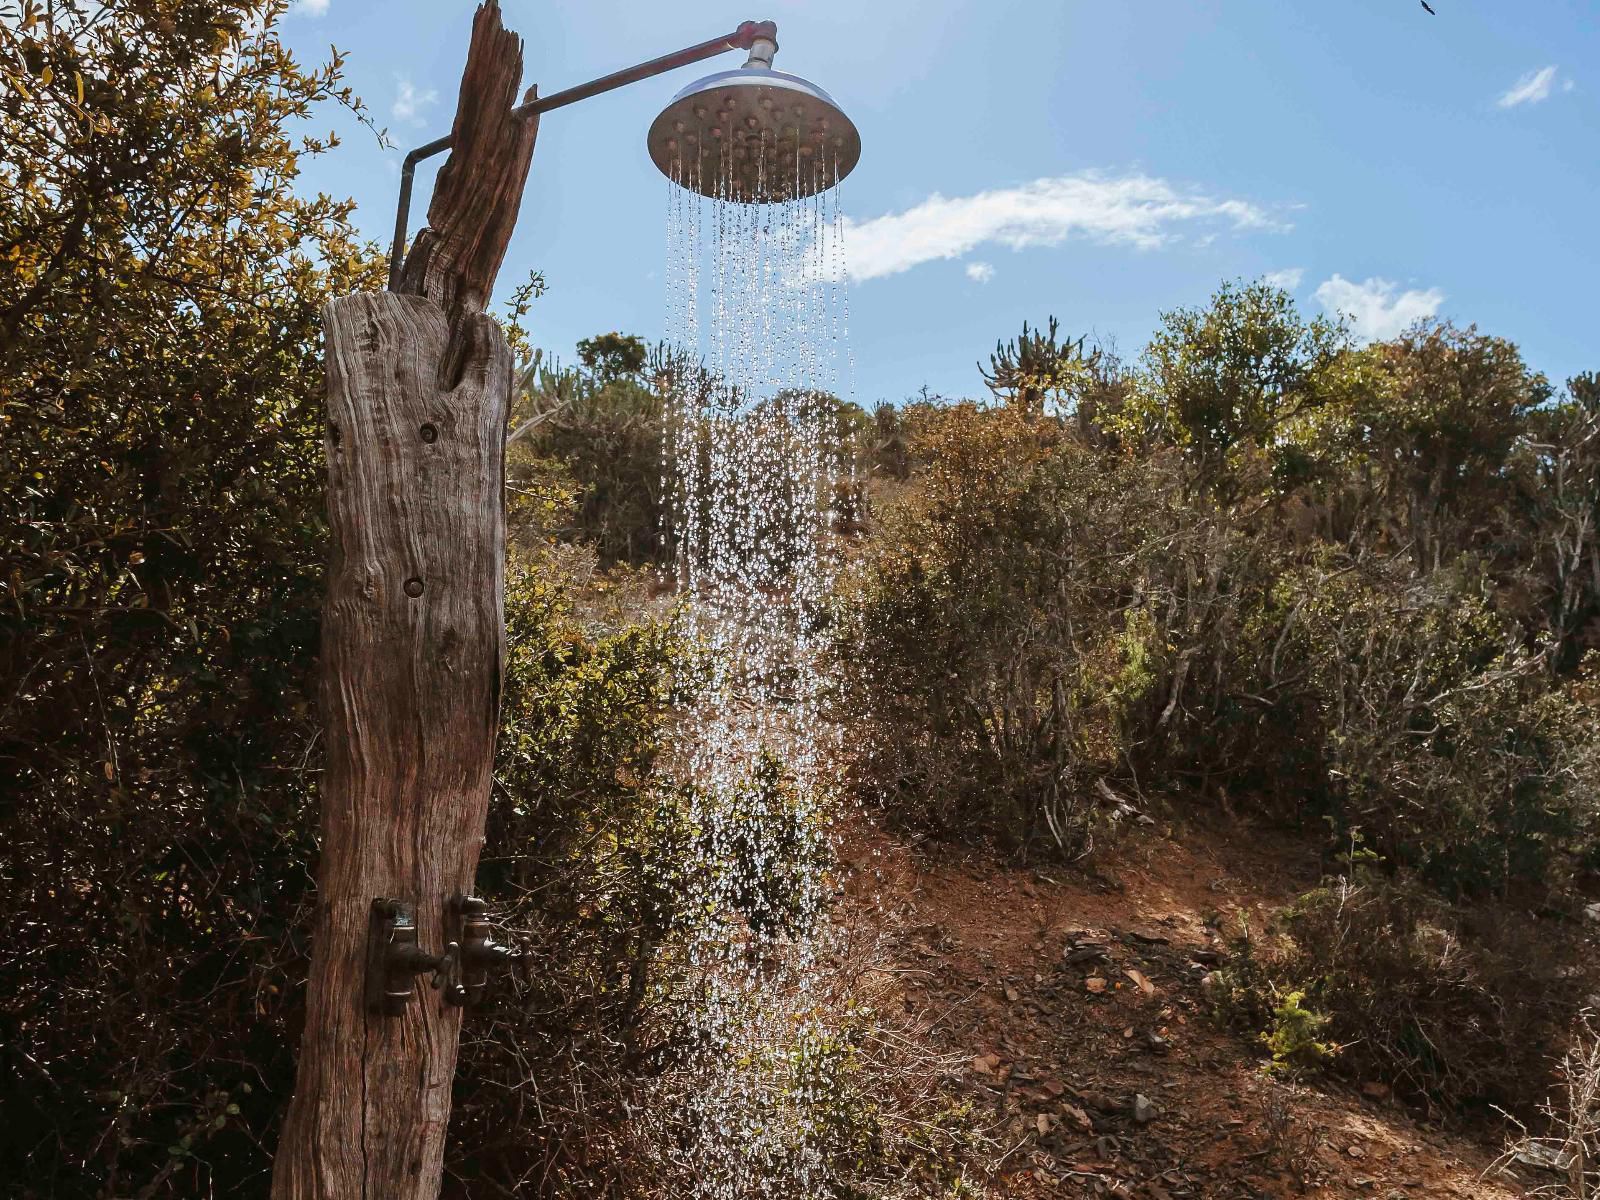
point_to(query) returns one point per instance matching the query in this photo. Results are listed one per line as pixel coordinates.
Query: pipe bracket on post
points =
(394, 958)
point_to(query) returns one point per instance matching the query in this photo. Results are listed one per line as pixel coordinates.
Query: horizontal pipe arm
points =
(739, 39)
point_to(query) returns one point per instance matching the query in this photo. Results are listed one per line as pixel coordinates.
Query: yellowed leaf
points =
(1143, 984)
(45, 76)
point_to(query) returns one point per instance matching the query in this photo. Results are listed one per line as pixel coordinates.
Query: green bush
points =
(1294, 1038)
(161, 551)
(1037, 616)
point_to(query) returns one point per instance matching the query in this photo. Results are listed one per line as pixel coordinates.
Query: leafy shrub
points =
(1038, 616)
(161, 550)
(1193, 581)
(601, 432)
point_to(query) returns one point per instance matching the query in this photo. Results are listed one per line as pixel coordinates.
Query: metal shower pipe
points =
(760, 38)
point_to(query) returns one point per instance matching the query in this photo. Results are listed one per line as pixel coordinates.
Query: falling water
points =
(757, 313)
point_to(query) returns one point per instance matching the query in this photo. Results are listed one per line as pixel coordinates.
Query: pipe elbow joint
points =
(745, 36)
(760, 38)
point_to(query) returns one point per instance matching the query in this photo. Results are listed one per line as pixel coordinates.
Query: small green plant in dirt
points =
(1294, 1039)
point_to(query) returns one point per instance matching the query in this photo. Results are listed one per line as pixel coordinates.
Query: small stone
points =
(1537, 1154)
(1078, 1117)
(1355, 1151)
(1144, 1109)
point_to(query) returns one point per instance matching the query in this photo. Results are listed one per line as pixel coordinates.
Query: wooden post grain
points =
(419, 388)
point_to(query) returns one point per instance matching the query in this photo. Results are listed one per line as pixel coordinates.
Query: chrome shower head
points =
(754, 135)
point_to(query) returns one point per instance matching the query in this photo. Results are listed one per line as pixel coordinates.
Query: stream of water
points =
(758, 314)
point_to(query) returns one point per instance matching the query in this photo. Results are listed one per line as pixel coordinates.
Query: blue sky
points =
(1100, 161)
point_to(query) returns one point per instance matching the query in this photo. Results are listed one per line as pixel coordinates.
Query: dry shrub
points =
(1570, 1145)
(1444, 747)
(1448, 1005)
(992, 644)
(1289, 1139)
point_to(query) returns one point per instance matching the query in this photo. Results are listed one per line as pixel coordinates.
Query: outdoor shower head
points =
(754, 135)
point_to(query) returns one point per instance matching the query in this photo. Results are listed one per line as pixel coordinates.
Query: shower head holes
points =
(794, 139)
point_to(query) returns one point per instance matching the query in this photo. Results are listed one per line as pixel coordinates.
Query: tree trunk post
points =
(419, 389)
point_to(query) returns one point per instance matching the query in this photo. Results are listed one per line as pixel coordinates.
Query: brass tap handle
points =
(469, 918)
(447, 975)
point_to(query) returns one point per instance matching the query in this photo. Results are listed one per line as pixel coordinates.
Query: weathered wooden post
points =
(419, 386)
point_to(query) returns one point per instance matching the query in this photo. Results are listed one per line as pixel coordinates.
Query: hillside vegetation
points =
(1261, 580)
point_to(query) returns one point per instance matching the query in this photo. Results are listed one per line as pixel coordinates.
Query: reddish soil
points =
(1074, 999)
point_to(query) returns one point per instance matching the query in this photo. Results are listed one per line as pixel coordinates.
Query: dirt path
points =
(1076, 1002)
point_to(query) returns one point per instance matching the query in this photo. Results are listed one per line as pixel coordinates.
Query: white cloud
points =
(1130, 210)
(1530, 89)
(411, 102)
(980, 272)
(1288, 279)
(312, 8)
(1375, 309)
